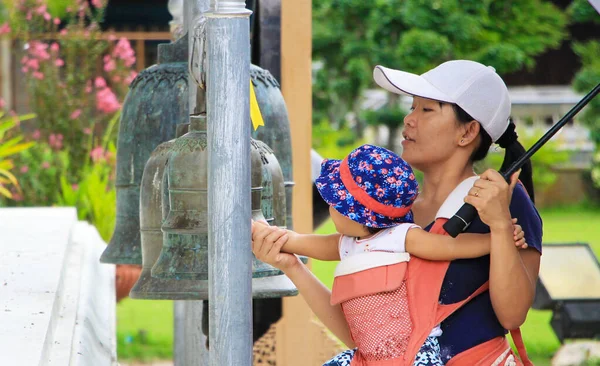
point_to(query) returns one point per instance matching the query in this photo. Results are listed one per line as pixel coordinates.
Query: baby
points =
(370, 194)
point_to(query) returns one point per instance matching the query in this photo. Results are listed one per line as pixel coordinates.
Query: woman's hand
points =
(491, 196)
(266, 245)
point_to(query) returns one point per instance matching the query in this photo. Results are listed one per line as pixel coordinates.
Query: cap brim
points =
(401, 82)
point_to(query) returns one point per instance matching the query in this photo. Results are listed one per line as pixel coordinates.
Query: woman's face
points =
(431, 133)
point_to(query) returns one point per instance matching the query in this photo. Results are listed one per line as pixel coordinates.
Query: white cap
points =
(474, 87)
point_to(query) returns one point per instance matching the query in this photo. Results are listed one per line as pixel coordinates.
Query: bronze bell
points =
(154, 207)
(157, 101)
(184, 256)
(276, 132)
(267, 280)
(273, 203)
(184, 253)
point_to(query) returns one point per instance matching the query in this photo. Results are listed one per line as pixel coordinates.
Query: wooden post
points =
(300, 340)
(140, 54)
(6, 71)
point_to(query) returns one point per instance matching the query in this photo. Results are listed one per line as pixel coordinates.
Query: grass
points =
(145, 327)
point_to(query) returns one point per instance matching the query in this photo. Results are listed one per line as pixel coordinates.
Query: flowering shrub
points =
(77, 78)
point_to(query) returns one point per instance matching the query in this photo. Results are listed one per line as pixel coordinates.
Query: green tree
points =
(391, 116)
(588, 76)
(350, 37)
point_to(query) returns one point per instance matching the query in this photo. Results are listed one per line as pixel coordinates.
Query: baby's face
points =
(346, 226)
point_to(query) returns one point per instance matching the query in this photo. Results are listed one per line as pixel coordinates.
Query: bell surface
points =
(184, 253)
(276, 132)
(154, 206)
(156, 102)
(276, 192)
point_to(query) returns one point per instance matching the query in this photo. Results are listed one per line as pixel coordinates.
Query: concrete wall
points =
(57, 302)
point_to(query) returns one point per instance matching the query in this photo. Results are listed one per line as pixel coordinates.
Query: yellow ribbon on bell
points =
(255, 115)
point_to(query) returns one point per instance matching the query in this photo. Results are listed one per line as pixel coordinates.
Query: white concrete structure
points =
(57, 302)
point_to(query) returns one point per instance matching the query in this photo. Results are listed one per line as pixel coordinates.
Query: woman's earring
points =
(461, 141)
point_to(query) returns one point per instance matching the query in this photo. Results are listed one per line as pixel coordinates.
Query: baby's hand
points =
(519, 235)
(263, 233)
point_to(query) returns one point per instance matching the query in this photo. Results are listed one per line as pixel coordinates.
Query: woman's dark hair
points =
(513, 149)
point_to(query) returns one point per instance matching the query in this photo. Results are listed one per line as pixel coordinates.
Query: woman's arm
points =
(317, 296)
(513, 273)
(435, 247)
(513, 277)
(266, 246)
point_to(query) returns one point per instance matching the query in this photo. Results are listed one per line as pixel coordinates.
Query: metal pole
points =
(228, 116)
(189, 341)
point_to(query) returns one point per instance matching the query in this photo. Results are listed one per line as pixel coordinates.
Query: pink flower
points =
(97, 154)
(112, 37)
(74, 187)
(76, 113)
(24, 70)
(45, 165)
(42, 9)
(106, 101)
(56, 21)
(28, 16)
(36, 134)
(116, 79)
(38, 49)
(55, 141)
(38, 75)
(124, 52)
(33, 64)
(87, 131)
(54, 47)
(63, 32)
(109, 65)
(17, 197)
(2, 103)
(59, 62)
(24, 169)
(4, 28)
(24, 60)
(47, 17)
(97, 3)
(100, 82)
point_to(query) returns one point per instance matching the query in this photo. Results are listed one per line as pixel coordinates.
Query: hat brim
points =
(401, 82)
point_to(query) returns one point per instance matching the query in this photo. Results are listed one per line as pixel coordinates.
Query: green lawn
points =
(145, 327)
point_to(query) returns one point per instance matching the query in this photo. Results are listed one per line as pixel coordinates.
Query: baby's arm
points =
(321, 247)
(423, 244)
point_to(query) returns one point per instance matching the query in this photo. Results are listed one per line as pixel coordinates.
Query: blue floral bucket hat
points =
(372, 186)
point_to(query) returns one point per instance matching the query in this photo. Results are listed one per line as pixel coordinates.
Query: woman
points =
(459, 108)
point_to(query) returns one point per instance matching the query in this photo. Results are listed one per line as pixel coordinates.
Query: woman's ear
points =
(470, 131)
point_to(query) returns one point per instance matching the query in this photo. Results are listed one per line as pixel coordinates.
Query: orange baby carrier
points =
(430, 275)
(395, 302)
